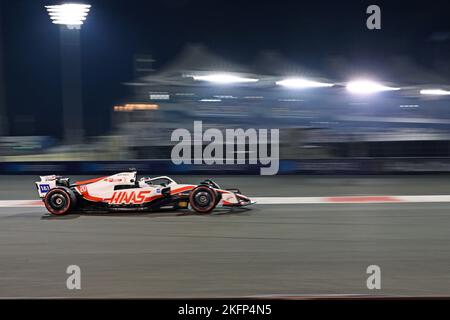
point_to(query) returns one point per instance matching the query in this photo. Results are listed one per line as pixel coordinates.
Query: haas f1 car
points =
(122, 192)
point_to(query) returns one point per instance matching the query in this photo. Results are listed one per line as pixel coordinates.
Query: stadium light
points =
(435, 92)
(70, 17)
(70, 14)
(367, 87)
(299, 83)
(223, 78)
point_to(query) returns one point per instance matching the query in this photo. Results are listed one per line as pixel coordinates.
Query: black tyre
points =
(59, 201)
(203, 199)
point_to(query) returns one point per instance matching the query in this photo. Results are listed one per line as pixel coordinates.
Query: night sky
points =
(307, 32)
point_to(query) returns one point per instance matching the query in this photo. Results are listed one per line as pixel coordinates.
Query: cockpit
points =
(157, 181)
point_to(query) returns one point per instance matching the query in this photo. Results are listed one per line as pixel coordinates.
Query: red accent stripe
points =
(186, 188)
(242, 196)
(78, 183)
(363, 199)
(148, 199)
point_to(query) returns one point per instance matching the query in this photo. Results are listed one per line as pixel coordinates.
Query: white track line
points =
(20, 203)
(289, 200)
(351, 199)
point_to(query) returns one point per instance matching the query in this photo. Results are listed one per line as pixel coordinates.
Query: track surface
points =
(269, 250)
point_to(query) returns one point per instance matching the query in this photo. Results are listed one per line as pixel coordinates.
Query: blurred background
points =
(108, 93)
(99, 87)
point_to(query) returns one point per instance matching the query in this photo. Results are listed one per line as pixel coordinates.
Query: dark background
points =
(307, 32)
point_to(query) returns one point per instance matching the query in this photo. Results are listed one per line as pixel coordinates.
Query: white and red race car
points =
(123, 192)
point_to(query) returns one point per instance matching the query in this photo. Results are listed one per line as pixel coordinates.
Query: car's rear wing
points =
(46, 184)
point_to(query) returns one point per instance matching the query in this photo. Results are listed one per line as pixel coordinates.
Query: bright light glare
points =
(135, 106)
(210, 100)
(298, 83)
(435, 92)
(223, 78)
(367, 87)
(69, 14)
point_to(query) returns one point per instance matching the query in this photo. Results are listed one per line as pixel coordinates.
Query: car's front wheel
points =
(203, 199)
(59, 201)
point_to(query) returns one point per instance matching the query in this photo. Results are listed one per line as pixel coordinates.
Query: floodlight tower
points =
(70, 17)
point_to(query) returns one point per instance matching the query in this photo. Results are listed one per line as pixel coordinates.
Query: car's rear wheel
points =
(59, 201)
(203, 199)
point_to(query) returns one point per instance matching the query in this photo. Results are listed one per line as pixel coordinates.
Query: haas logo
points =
(124, 197)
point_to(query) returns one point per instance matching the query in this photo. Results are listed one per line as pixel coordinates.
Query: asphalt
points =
(268, 250)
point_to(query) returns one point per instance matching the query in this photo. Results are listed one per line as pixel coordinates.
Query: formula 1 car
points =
(123, 193)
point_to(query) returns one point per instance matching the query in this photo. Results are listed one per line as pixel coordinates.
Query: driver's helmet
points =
(144, 182)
